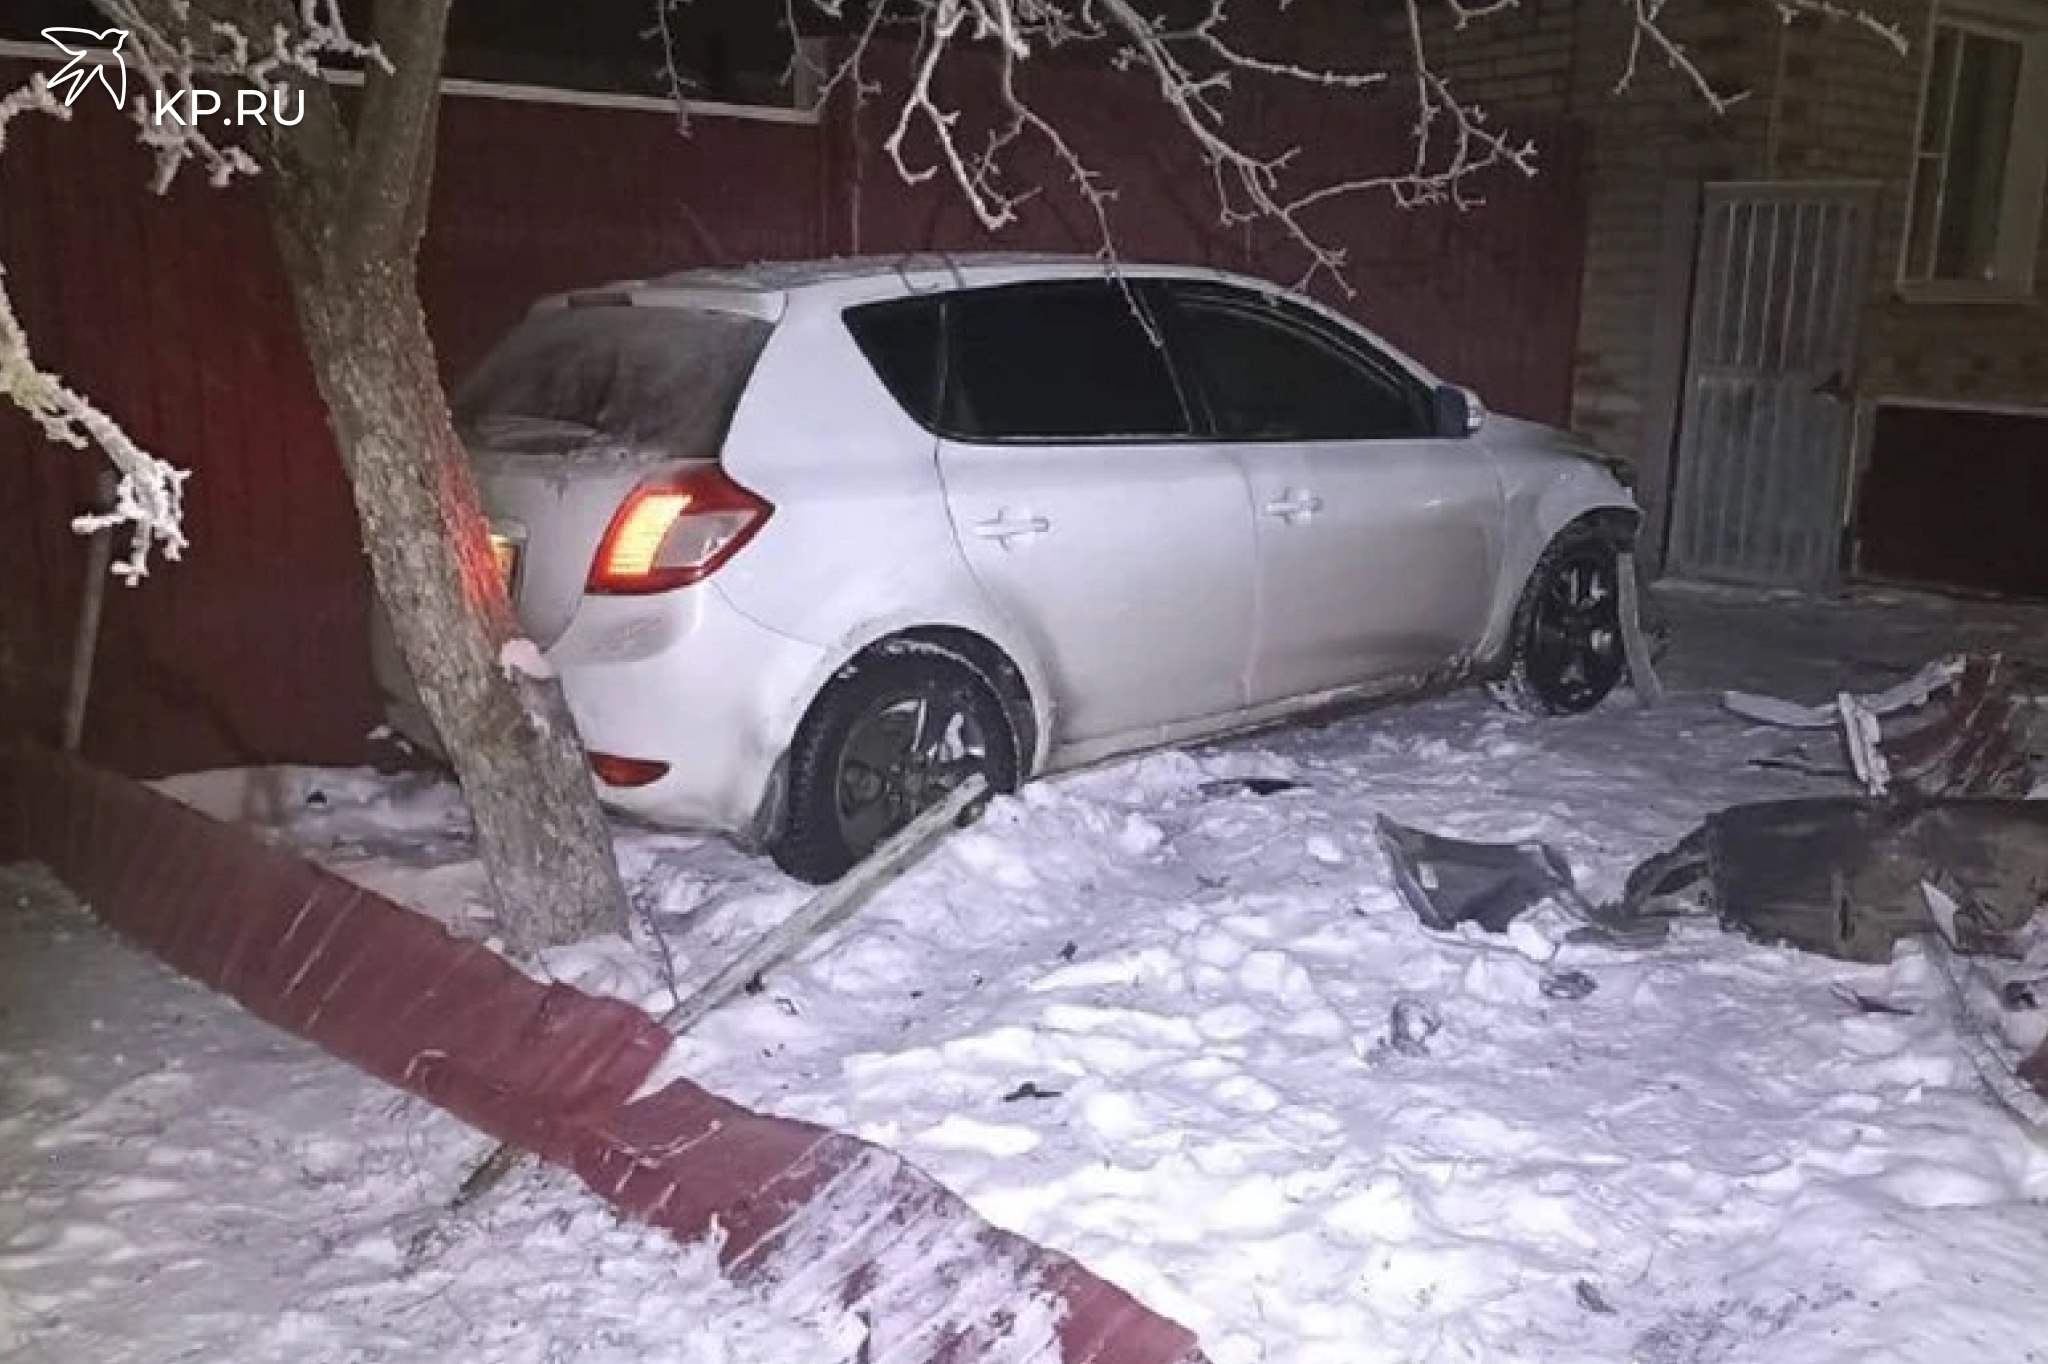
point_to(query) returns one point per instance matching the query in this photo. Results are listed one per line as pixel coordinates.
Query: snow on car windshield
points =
(663, 379)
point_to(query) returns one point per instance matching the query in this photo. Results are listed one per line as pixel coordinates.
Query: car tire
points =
(885, 740)
(1565, 653)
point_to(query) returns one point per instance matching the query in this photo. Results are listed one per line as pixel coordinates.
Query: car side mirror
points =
(1459, 412)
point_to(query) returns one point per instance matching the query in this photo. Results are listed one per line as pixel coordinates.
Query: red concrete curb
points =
(815, 1214)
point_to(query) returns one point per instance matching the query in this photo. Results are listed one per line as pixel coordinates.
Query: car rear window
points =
(1064, 360)
(653, 378)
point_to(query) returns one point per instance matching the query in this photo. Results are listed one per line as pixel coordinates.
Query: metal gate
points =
(1763, 444)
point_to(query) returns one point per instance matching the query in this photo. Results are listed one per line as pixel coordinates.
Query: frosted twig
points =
(148, 493)
(170, 67)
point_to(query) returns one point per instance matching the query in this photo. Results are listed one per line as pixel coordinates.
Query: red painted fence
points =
(817, 1217)
(173, 314)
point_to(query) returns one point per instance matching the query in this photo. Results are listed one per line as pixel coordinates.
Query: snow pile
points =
(1187, 1033)
(523, 658)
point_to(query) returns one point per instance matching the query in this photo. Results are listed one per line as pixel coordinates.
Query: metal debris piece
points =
(1863, 734)
(1914, 691)
(1974, 745)
(1955, 728)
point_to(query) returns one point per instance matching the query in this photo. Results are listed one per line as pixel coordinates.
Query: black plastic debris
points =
(1591, 1298)
(1567, 985)
(1256, 786)
(1840, 876)
(1870, 1004)
(1451, 881)
(1843, 876)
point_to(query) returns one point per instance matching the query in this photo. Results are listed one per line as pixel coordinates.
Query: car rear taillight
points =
(613, 770)
(674, 531)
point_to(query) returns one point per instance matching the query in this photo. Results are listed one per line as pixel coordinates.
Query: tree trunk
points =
(348, 203)
(544, 844)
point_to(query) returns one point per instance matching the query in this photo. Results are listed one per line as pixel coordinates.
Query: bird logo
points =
(82, 70)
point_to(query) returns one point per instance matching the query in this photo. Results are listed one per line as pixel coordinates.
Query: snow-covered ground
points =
(179, 1181)
(1145, 1016)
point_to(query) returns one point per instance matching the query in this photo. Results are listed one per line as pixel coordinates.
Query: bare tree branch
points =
(1193, 68)
(149, 493)
(171, 67)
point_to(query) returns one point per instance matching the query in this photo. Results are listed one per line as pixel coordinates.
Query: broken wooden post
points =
(99, 555)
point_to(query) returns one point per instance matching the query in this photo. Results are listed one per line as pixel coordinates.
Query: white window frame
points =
(2026, 159)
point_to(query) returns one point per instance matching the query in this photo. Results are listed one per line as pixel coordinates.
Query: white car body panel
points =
(684, 678)
(1548, 480)
(872, 467)
(1158, 604)
(1133, 630)
(1377, 559)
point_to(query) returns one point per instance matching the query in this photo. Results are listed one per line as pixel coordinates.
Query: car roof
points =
(772, 290)
(769, 288)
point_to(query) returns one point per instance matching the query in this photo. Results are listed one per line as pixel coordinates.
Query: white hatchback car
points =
(809, 543)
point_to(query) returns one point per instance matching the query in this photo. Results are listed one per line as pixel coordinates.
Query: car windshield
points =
(651, 378)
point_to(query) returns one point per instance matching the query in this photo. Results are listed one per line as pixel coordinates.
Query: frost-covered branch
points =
(1886, 30)
(1194, 65)
(1647, 29)
(197, 51)
(1650, 31)
(174, 50)
(148, 493)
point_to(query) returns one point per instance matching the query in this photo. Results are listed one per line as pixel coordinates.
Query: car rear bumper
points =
(685, 679)
(681, 678)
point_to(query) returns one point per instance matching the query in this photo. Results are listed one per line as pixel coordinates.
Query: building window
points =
(1975, 216)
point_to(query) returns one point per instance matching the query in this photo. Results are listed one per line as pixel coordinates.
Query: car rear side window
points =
(1269, 375)
(901, 341)
(1066, 360)
(655, 378)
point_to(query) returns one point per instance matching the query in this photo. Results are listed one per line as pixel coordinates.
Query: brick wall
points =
(1826, 102)
(1551, 58)
(1849, 110)
(1658, 130)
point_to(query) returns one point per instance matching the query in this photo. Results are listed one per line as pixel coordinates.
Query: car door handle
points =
(1294, 505)
(1006, 527)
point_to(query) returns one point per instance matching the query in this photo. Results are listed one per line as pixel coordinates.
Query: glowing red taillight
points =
(613, 770)
(675, 530)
